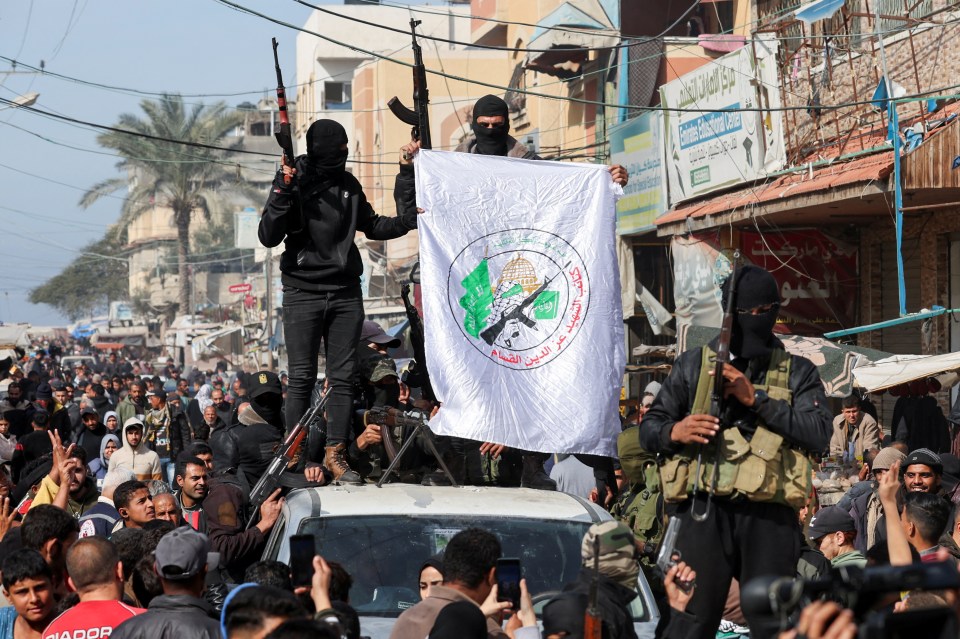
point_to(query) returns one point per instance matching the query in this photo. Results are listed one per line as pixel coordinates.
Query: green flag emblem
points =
(477, 298)
(545, 307)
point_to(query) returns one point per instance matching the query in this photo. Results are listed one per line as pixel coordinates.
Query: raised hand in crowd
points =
(823, 620)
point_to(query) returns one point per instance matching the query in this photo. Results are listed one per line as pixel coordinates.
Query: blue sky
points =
(185, 46)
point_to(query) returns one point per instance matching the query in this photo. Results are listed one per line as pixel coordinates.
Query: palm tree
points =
(183, 178)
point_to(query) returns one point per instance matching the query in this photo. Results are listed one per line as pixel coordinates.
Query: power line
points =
(494, 47)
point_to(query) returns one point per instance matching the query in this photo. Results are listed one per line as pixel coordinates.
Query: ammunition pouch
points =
(763, 469)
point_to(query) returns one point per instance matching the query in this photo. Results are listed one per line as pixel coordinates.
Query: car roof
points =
(413, 500)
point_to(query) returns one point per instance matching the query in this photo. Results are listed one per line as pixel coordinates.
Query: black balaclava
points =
(491, 141)
(270, 407)
(753, 334)
(324, 139)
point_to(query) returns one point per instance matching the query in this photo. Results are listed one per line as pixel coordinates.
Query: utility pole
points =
(268, 274)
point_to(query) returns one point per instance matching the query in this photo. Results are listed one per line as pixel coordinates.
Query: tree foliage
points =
(187, 180)
(88, 285)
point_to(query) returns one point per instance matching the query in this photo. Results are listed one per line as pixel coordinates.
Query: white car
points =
(382, 536)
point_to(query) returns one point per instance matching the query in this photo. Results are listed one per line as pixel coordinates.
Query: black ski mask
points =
(753, 334)
(491, 141)
(324, 141)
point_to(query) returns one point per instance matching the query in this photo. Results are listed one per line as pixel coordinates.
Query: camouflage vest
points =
(763, 469)
(641, 506)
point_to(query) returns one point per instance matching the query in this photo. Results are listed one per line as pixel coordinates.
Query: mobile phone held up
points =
(302, 550)
(508, 581)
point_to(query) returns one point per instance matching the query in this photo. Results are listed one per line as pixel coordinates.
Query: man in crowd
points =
(223, 407)
(91, 435)
(866, 510)
(166, 508)
(59, 420)
(101, 518)
(50, 531)
(135, 456)
(97, 394)
(853, 430)
(96, 575)
(256, 610)
(68, 485)
(182, 562)
(132, 405)
(15, 407)
(774, 402)
(619, 569)
(33, 445)
(832, 530)
(134, 504)
(923, 472)
(28, 586)
(469, 574)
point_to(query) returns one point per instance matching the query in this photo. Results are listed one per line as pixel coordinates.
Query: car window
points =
(384, 554)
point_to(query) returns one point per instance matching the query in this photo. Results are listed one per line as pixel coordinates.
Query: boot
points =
(533, 475)
(455, 462)
(335, 460)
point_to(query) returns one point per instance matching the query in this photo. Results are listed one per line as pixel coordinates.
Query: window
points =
(337, 96)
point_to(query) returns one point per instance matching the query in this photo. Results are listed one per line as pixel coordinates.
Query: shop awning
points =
(585, 25)
(901, 369)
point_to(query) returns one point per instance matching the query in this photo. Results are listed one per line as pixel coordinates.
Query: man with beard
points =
(59, 418)
(490, 135)
(132, 405)
(316, 208)
(220, 403)
(775, 414)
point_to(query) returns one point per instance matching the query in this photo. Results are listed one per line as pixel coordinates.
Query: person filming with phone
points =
(470, 563)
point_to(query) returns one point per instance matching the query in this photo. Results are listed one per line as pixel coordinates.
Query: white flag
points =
(521, 297)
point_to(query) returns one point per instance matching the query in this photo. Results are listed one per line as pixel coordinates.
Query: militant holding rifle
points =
(419, 377)
(285, 455)
(717, 401)
(419, 116)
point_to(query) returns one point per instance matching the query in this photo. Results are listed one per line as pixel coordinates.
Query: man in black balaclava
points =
(774, 416)
(316, 208)
(491, 136)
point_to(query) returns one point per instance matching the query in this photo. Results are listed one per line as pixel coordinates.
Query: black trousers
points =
(741, 539)
(334, 318)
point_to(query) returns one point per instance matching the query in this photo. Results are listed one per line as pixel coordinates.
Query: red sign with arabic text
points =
(818, 276)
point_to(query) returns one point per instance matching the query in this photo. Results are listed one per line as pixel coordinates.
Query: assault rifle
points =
(418, 375)
(492, 332)
(717, 402)
(287, 453)
(405, 426)
(592, 622)
(419, 116)
(283, 135)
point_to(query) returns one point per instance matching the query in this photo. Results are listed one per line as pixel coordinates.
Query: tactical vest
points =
(641, 506)
(763, 469)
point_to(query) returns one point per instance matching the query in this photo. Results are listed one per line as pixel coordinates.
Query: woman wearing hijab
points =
(197, 405)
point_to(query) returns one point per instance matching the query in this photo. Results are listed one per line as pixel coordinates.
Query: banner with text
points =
(720, 141)
(637, 145)
(521, 300)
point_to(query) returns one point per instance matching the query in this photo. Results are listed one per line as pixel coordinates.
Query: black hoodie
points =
(323, 256)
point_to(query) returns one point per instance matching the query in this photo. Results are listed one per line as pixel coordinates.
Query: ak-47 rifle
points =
(285, 455)
(411, 424)
(717, 402)
(592, 622)
(419, 116)
(492, 332)
(284, 136)
(418, 376)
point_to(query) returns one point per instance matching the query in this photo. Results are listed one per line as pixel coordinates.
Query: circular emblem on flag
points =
(519, 297)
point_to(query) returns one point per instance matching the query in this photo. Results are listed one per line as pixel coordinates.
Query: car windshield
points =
(384, 554)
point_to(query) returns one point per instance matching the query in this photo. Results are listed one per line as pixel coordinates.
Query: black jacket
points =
(806, 423)
(613, 600)
(225, 442)
(322, 256)
(172, 617)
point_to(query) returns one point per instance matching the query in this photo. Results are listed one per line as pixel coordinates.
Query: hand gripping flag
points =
(521, 295)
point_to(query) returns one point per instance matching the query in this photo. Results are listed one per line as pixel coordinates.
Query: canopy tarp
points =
(901, 369)
(836, 363)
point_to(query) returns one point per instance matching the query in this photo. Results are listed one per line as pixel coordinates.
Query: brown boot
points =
(335, 460)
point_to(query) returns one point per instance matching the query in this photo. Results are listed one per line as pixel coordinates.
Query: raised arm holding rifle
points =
(315, 208)
(738, 504)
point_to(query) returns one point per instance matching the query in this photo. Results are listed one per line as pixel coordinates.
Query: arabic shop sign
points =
(817, 275)
(637, 144)
(722, 142)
